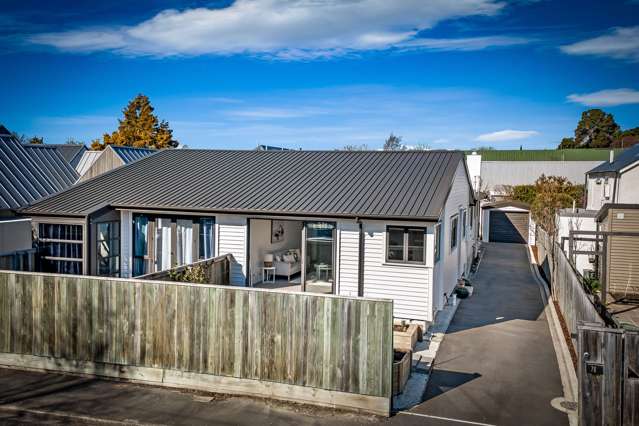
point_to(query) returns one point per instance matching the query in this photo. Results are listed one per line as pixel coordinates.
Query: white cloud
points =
(622, 43)
(287, 29)
(610, 97)
(463, 44)
(506, 135)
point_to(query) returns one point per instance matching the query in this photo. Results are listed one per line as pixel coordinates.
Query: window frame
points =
(111, 240)
(438, 241)
(464, 223)
(52, 263)
(405, 230)
(454, 230)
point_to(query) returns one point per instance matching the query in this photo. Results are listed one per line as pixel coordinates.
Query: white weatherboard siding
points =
(628, 186)
(348, 240)
(126, 251)
(409, 286)
(453, 263)
(231, 238)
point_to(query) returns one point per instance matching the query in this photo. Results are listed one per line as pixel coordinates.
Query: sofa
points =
(287, 262)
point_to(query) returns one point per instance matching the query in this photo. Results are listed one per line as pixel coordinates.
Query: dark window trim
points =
(118, 240)
(438, 241)
(405, 230)
(456, 229)
(464, 222)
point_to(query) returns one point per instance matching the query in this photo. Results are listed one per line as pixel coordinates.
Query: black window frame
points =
(454, 231)
(405, 230)
(438, 241)
(60, 247)
(464, 217)
(117, 240)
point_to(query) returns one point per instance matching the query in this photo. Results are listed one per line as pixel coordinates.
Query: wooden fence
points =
(317, 349)
(608, 376)
(217, 270)
(575, 303)
(22, 260)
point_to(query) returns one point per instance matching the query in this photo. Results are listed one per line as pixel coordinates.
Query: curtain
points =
(184, 241)
(206, 238)
(140, 249)
(163, 244)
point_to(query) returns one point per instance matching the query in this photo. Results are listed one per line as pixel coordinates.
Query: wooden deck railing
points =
(216, 269)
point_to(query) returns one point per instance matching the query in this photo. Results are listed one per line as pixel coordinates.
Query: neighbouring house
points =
(615, 181)
(111, 158)
(507, 221)
(396, 225)
(86, 161)
(493, 171)
(71, 152)
(29, 173)
(619, 265)
(578, 220)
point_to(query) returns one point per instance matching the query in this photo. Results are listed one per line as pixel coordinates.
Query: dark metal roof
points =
(129, 155)
(623, 160)
(23, 176)
(603, 212)
(51, 162)
(400, 185)
(71, 152)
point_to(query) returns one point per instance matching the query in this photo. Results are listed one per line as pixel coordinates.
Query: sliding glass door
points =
(319, 259)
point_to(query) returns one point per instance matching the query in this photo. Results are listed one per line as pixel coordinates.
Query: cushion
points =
(288, 258)
(278, 258)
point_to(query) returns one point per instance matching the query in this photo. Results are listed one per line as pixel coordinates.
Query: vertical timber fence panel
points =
(325, 350)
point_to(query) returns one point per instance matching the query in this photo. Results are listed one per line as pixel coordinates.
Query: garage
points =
(506, 222)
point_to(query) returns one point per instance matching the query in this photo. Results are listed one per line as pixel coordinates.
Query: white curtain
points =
(163, 244)
(184, 241)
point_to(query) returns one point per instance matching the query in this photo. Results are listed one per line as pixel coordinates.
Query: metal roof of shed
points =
(401, 185)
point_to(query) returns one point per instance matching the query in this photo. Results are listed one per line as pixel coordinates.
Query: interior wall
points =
(260, 234)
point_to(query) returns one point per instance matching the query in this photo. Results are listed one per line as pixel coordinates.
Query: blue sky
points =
(321, 74)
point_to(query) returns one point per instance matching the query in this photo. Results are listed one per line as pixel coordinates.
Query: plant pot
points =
(406, 340)
(401, 371)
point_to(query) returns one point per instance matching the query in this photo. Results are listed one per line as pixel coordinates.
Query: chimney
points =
(612, 155)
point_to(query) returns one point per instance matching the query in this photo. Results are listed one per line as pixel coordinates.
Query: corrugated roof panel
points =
(51, 162)
(29, 174)
(323, 183)
(88, 158)
(621, 161)
(129, 154)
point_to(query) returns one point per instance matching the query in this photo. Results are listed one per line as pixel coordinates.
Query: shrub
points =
(461, 292)
(192, 274)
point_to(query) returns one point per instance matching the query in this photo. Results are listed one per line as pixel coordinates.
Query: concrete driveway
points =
(497, 364)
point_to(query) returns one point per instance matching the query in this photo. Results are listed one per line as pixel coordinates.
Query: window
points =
(108, 250)
(207, 227)
(438, 242)
(140, 245)
(405, 245)
(60, 248)
(454, 225)
(463, 222)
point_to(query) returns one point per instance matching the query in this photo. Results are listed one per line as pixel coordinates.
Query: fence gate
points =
(608, 376)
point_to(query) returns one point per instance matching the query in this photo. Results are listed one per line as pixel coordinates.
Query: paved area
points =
(497, 364)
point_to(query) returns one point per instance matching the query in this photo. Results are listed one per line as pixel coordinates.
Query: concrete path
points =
(497, 363)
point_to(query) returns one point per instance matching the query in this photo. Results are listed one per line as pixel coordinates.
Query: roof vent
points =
(612, 155)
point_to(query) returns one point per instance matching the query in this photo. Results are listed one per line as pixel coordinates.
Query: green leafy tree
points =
(73, 141)
(139, 128)
(568, 143)
(394, 143)
(596, 129)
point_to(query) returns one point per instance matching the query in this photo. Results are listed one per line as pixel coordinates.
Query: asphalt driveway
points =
(497, 363)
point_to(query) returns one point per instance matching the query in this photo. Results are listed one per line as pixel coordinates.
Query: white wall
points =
(231, 238)
(473, 161)
(628, 189)
(260, 231)
(409, 286)
(348, 241)
(453, 263)
(568, 223)
(596, 197)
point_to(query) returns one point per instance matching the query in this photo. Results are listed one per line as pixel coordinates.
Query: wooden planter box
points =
(405, 340)
(401, 371)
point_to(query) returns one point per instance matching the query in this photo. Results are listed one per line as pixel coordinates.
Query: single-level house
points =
(615, 181)
(110, 158)
(397, 225)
